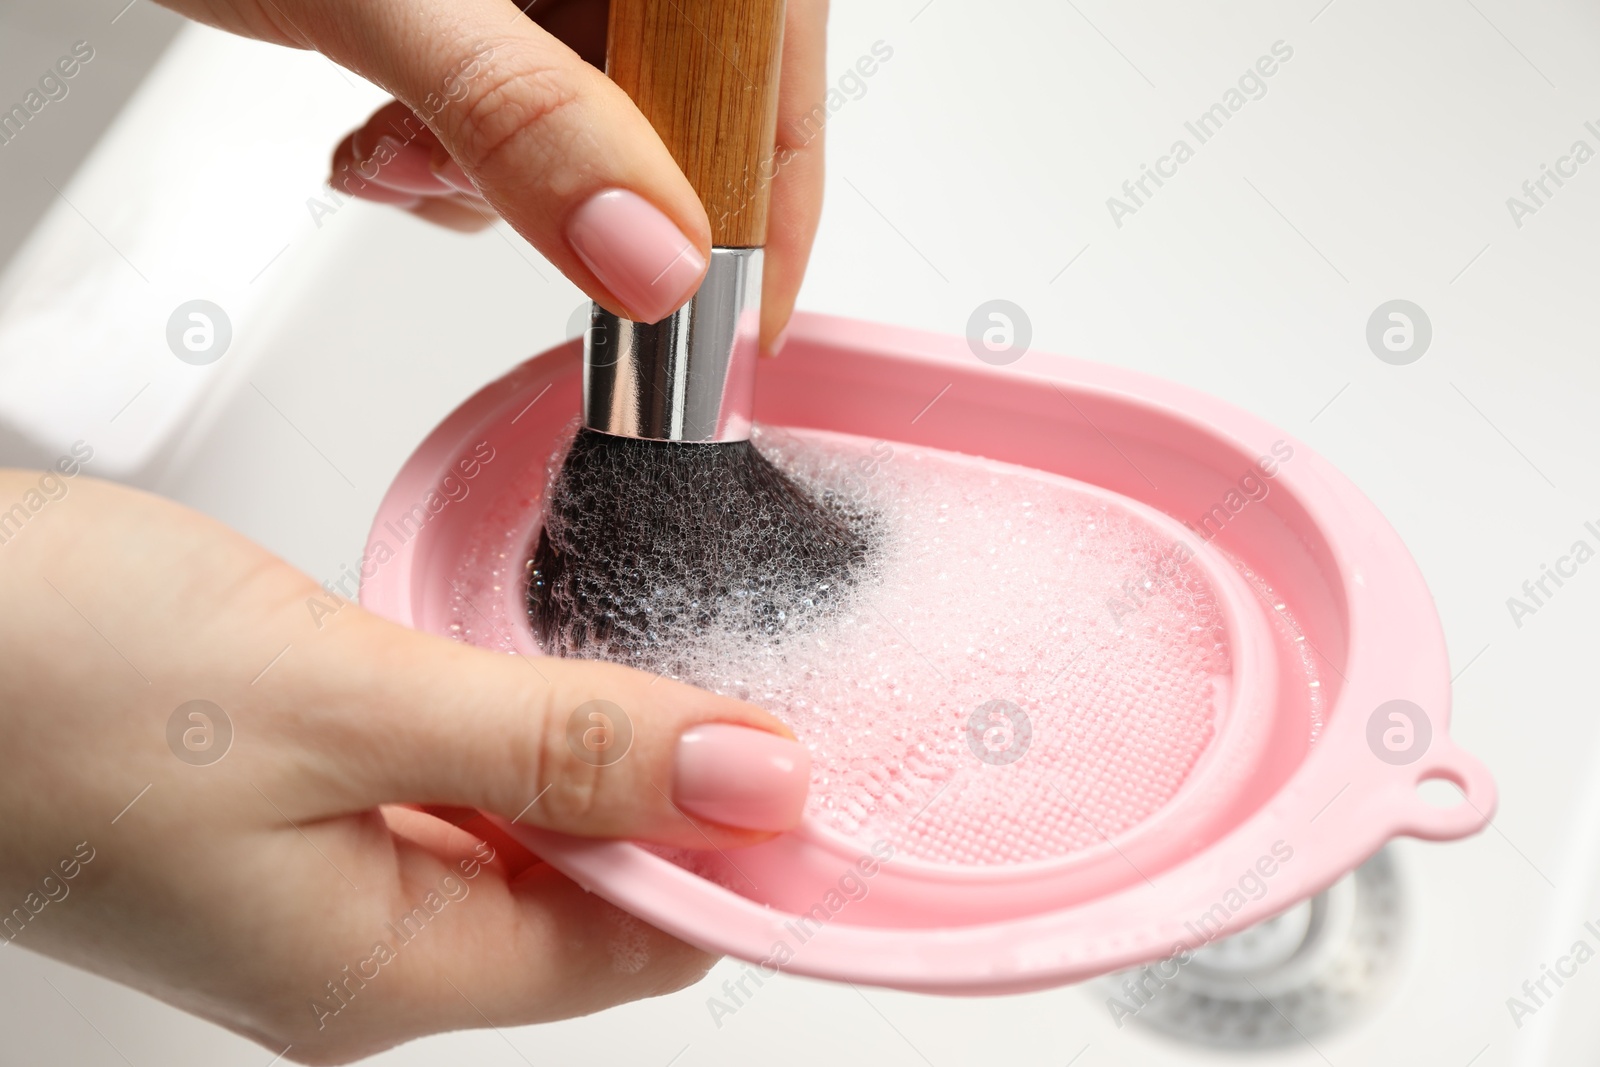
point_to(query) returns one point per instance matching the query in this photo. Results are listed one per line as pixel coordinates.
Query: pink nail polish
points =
(351, 181)
(406, 166)
(779, 341)
(638, 253)
(363, 142)
(739, 776)
(449, 171)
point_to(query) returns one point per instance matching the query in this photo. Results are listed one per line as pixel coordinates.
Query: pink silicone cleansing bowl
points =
(1283, 800)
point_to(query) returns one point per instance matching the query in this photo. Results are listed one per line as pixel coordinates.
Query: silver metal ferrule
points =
(689, 377)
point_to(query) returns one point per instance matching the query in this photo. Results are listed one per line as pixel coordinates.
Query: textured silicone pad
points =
(1017, 670)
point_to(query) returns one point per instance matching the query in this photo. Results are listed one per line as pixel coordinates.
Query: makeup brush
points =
(664, 520)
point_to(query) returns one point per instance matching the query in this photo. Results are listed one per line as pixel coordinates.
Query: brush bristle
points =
(647, 544)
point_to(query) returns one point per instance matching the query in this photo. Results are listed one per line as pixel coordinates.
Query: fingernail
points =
(638, 253)
(449, 171)
(779, 341)
(404, 165)
(362, 144)
(739, 776)
(350, 180)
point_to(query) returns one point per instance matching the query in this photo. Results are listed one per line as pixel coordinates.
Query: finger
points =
(797, 183)
(412, 159)
(417, 175)
(591, 956)
(463, 213)
(440, 828)
(390, 715)
(347, 177)
(553, 145)
(467, 950)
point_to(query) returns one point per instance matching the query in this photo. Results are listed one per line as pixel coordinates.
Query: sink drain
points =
(1302, 973)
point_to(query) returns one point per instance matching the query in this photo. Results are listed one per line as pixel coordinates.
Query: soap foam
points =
(1061, 615)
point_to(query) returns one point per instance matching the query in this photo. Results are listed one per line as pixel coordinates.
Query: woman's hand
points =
(267, 890)
(494, 112)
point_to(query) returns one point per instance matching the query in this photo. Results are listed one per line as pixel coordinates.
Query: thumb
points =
(547, 139)
(391, 715)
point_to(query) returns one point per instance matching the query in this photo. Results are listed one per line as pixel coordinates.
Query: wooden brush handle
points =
(705, 73)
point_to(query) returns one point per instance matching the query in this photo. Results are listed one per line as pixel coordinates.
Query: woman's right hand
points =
(495, 113)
